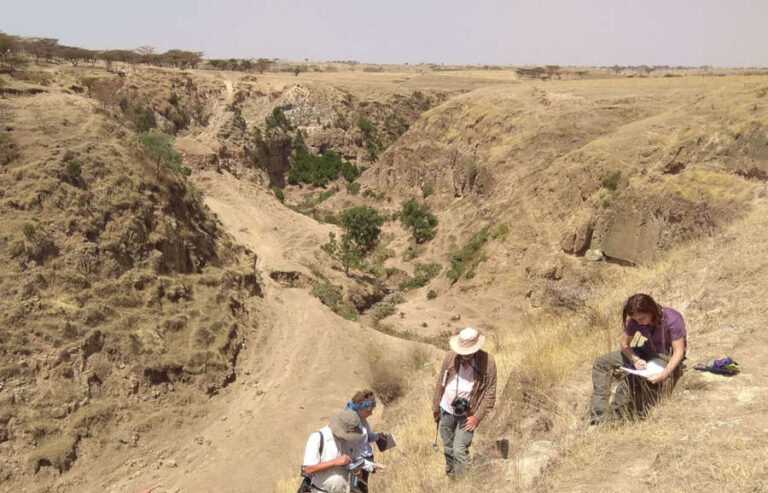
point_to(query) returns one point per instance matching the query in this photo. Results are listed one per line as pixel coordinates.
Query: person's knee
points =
(602, 363)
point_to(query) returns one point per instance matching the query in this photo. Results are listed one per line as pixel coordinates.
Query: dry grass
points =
(677, 449)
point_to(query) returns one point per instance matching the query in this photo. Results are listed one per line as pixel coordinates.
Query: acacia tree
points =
(347, 252)
(362, 226)
(159, 149)
(417, 217)
(8, 46)
(144, 52)
(73, 54)
(263, 64)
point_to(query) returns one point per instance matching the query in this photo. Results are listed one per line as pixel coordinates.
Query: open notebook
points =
(651, 368)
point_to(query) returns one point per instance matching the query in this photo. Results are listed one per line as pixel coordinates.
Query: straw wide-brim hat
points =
(468, 341)
(345, 425)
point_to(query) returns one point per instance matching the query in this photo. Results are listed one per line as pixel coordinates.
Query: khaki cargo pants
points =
(456, 444)
(634, 394)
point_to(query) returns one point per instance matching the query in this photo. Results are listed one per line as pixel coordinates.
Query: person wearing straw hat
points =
(329, 450)
(465, 393)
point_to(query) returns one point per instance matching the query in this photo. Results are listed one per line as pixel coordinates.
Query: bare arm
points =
(678, 353)
(342, 460)
(627, 350)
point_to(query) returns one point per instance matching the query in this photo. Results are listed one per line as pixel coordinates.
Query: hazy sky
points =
(519, 32)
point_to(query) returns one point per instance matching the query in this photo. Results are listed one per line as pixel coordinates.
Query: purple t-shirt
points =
(673, 329)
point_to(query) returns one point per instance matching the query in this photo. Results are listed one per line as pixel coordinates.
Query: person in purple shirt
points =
(665, 341)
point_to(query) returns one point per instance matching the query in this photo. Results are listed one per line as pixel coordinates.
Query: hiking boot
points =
(596, 418)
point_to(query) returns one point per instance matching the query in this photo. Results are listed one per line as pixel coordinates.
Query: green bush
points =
(349, 171)
(500, 231)
(29, 231)
(325, 195)
(318, 170)
(174, 99)
(353, 188)
(431, 295)
(427, 191)
(143, 119)
(612, 181)
(73, 171)
(278, 120)
(331, 218)
(278, 192)
(468, 255)
(417, 217)
(422, 274)
(412, 252)
(382, 310)
(349, 312)
(366, 127)
(327, 293)
(370, 140)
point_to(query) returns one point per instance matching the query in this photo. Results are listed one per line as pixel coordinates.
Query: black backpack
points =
(306, 481)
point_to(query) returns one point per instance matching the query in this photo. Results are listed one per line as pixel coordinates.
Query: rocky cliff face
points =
(621, 171)
(117, 287)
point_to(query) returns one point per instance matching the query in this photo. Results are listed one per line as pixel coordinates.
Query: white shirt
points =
(334, 479)
(364, 448)
(466, 380)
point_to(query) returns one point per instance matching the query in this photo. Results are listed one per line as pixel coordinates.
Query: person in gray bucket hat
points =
(329, 450)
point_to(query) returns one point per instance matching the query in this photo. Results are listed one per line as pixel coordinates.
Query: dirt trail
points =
(301, 364)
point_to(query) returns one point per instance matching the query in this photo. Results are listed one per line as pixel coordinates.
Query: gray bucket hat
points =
(345, 425)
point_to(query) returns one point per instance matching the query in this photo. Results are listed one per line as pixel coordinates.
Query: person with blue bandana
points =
(363, 403)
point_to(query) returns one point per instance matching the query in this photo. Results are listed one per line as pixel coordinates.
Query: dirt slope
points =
(298, 368)
(713, 431)
(531, 157)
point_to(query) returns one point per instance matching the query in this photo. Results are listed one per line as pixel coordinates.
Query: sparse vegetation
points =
(422, 274)
(500, 232)
(73, 171)
(412, 252)
(432, 294)
(353, 188)
(8, 148)
(382, 310)
(328, 294)
(371, 141)
(611, 182)
(466, 258)
(278, 193)
(29, 230)
(388, 378)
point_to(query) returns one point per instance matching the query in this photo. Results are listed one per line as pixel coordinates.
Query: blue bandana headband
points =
(362, 405)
